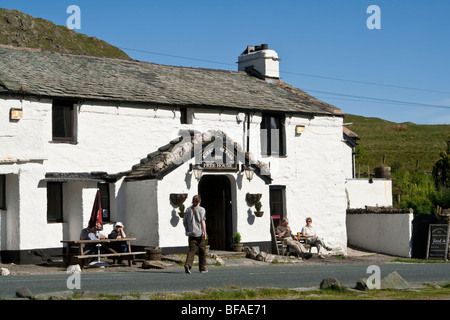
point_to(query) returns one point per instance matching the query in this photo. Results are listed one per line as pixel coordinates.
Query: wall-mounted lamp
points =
(299, 130)
(198, 171)
(15, 114)
(249, 171)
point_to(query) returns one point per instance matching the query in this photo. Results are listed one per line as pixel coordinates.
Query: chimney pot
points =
(263, 60)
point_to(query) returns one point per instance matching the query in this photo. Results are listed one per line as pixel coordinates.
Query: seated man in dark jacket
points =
(118, 233)
(291, 240)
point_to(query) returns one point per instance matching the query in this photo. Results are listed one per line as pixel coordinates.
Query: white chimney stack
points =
(262, 60)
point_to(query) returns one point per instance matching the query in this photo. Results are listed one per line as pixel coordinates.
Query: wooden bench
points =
(280, 247)
(307, 245)
(130, 256)
(81, 254)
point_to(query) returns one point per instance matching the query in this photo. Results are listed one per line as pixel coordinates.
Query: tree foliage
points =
(417, 191)
(441, 169)
(424, 192)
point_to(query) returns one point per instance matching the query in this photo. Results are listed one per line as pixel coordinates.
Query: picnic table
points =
(75, 249)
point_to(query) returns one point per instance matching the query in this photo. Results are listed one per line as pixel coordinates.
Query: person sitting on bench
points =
(291, 240)
(118, 233)
(91, 234)
(311, 238)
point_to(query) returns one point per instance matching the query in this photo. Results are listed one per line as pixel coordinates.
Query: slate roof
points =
(350, 133)
(58, 75)
(98, 176)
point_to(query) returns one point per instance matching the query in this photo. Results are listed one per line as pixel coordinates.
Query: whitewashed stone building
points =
(71, 124)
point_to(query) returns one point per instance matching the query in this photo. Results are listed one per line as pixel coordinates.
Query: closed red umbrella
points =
(96, 220)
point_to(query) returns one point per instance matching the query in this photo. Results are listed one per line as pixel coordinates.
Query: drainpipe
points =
(248, 132)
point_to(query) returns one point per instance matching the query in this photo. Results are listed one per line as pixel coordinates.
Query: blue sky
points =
(399, 73)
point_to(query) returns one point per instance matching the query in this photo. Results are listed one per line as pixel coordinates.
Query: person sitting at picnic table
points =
(118, 233)
(289, 239)
(91, 234)
(309, 233)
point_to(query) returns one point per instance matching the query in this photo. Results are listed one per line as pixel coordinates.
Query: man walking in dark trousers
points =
(194, 222)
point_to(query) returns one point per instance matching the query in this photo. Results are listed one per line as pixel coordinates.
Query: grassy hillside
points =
(404, 145)
(22, 30)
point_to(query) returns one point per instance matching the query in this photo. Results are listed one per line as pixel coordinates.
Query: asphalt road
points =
(175, 280)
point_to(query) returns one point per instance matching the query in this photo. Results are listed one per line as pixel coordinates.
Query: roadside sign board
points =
(437, 247)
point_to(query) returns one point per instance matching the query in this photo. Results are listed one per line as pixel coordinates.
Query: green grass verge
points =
(432, 291)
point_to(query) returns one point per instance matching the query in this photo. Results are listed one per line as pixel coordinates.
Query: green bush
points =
(442, 198)
(441, 169)
(421, 191)
(420, 204)
(417, 191)
(236, 238)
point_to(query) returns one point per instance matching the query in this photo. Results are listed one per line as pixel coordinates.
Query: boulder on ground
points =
(75, 268)
(24, 293)
(330, 283)
(4, 272)
(391, 281)
(394, 281)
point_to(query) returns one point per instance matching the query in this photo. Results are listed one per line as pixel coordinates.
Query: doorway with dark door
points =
(215, 191)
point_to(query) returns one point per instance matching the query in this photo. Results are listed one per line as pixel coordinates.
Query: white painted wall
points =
(22, 140)
(114, 138)
(251, 228)
(361, 193)
(168, 226)
(142, 212)
(33, 231)
(384, 233)
(313, 174)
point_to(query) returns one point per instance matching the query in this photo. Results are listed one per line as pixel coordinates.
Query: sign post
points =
(220, 156)
(437, 247)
